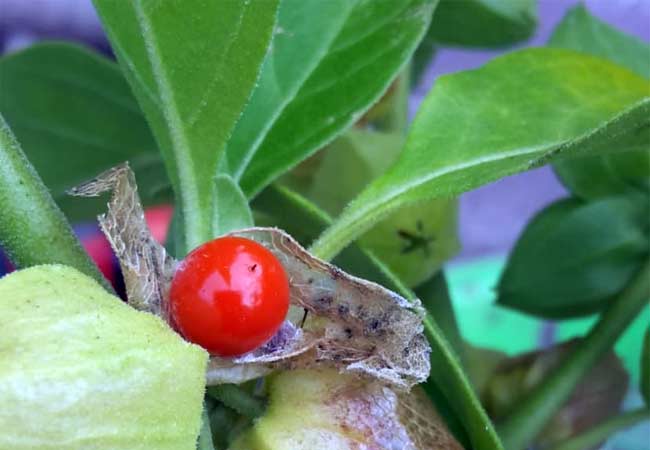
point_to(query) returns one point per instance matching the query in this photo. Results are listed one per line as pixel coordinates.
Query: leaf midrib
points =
(181, 149)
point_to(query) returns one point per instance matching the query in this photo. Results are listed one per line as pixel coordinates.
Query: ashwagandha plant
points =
(251, 115)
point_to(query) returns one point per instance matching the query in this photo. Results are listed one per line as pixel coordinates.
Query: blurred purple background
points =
(491, 217)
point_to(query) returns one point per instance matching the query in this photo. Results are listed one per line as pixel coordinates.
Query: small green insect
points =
(416, 240)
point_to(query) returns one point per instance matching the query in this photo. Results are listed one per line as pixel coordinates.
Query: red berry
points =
(229, 295)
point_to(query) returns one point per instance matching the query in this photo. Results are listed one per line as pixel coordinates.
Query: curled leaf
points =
(354, 325)
(145, 264)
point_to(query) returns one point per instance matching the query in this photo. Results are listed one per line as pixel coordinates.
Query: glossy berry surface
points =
(229, 295)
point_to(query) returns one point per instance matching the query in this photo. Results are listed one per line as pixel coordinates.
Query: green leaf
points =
(573, 257)
(516, 113)
(33, 230)
(235, 397)
(484, 23)
(231, 211)
(415, 240)
(368, 52)
(583, 32)
(81, 369)
(303, 36)
(593, 177)
(192, 66)
(205, 435)
(75, 117)
(645, 369)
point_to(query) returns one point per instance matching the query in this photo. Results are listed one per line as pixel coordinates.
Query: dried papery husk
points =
(354, 325)
(345, 412)
(145, 264)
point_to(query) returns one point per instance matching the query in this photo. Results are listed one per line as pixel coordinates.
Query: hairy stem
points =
(33, 230)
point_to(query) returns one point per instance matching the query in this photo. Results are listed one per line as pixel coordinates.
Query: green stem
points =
(604, 430)
(33, 230)
(530, 416)
(434, 294)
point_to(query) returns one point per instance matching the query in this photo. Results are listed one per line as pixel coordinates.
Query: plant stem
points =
(531, 415)
(33, 230)
(603, 430)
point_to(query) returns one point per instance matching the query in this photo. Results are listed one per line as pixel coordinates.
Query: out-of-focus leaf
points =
(597, 398)
(324, 409)
(192, 66)
(238, 399)
(81, 369)
(75, 116)
(592, 177)
(205, 434)
(373, 45)
(574, 257)
(645, 368)
(583, 32)
(415, 240)
(483, 23)
(516, 113)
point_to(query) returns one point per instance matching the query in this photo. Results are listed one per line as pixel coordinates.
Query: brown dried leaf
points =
(354, 325)
(597, 398)
(146, 267)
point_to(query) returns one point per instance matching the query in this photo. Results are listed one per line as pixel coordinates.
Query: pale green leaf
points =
(81, 369)
(516, 113)
(192, 65)
(375, 42)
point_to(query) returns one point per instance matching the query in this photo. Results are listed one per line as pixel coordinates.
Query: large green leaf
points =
(192, 65)
(517, 112)
(75, 117)
(80, 369)
(592, 177)
(483, 23)
(303, 36)
(574, 257)
(374, 43)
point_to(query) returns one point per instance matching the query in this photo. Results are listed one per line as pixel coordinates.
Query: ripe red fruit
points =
(229, 295)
